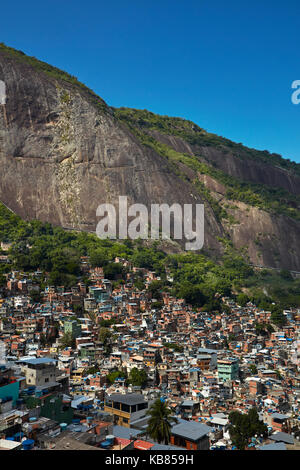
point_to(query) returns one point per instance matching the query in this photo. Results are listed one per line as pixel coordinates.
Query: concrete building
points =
(39, 371)
(126, 408)
(228, 369)
(72, 327)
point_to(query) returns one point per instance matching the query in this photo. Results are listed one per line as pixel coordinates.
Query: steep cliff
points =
(63, 151)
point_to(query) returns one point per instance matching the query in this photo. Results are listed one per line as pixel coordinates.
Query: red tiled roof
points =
(142, 445)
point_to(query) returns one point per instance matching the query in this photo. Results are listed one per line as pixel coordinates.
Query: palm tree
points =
(160, 422)
(92, 316)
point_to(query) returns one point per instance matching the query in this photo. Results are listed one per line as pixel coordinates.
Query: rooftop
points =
(191, 430)
(128, 399)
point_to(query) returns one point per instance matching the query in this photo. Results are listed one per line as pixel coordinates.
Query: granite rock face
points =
(62, 154)
(61, 157)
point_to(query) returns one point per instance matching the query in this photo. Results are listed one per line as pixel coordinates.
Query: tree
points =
(138, 377)
(242, 299)
(35, 296)
(92, 316)
(67, 341)
(99, 257)
(155, 288)
(157, 305)
(43, 340)
(78, 309)
(263, 329)
(277, 316)
(244, 426)
(112, 376)
(114, 271)
(160, 422)
(225, 308)
(231, 338)
(253, 368)
(213, 305)
(192, 294)
(105, 336)
(3, 280)
(139, 284)
(176, 347)
(92, 370)
(285, 274)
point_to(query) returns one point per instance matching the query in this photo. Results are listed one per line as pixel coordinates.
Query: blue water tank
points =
(105, 444)
(28, 444)
(77, 428)
(110, 439)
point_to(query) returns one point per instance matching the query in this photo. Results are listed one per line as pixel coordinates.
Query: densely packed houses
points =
(80, 368)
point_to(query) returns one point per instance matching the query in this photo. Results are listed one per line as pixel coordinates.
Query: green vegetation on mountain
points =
(195, 135)
(274, 200)
(68, 117)
(197, 278)
(54, 72)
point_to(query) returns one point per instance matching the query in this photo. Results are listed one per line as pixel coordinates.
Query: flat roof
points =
(128, 399)
(39, 360)
(125, 433)
(189, 403)
(279, 416)
(273, 446)
(282, 437)
(167, 447)
(191, 430)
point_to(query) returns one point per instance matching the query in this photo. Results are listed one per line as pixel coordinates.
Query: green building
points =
(228, 369)
(99, 294)
(88, 350)
(72, 327)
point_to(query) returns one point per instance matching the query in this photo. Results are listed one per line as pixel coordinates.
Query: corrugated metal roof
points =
(191, 430)
(273, 446)
(282, 437)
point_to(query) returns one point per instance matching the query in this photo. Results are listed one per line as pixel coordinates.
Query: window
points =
(142, 406)
(125, 408)
(47, 379)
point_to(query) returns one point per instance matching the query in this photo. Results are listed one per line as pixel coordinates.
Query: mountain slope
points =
(63, 152)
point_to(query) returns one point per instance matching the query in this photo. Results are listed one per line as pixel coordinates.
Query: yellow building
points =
(126, 408)
(77, 375)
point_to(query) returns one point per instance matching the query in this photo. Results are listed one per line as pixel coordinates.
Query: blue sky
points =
(226, 65)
